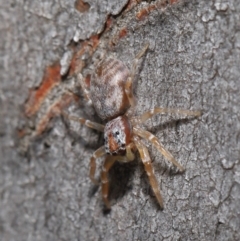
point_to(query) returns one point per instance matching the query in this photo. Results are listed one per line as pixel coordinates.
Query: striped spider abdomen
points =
(107, 89)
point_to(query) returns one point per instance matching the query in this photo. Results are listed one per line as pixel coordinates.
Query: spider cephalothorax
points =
(111, 95)
(117, 135)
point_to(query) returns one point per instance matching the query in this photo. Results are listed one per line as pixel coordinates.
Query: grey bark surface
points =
(192, 63)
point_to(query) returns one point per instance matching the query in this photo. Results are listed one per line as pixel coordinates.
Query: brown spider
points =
(111, 95)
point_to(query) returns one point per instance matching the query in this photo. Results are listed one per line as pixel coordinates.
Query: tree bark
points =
(192, 63)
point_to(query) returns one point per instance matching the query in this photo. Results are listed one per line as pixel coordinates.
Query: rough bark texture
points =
(192, 63)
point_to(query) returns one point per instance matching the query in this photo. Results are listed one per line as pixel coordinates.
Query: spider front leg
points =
(143, 151)
(85, 122)
(153, 139)
(98, 153)
(108, 163)
(128, 84)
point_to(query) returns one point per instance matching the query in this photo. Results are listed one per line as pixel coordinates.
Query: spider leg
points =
(129, 154)
(153, 139)
(148, 114)
(108, 163)
(143, 151)
(129, 92)
(86, 91)
(136, 60)
(128, 85)
(98, 153)
(85, 122)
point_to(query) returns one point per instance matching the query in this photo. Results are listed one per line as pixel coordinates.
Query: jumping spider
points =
(112, 97)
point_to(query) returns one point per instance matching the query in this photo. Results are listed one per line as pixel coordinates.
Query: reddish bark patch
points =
(144, 12)
(50, 80)
(131, 4)
(108, 24)
(52, 76)
(87, 80)
(122, 32)
(141, 15)
(88, 46)
(21, 133)
(54, 110)
(173, 1)
(82, 6)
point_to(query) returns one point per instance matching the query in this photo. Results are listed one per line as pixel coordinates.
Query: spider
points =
(112, 97)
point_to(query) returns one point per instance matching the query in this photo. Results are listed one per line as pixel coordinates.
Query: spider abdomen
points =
(107, 89)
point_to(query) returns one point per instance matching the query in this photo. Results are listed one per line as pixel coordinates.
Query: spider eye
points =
(117, 133)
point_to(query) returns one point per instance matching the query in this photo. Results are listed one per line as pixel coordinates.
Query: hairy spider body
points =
(111, 95)
(107, 89)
